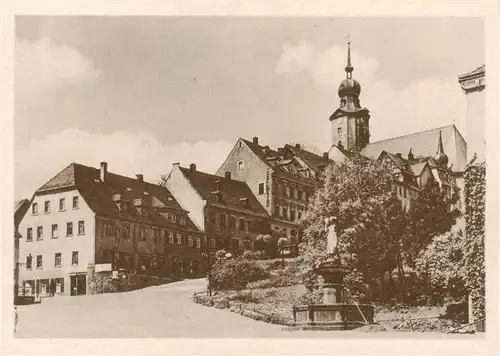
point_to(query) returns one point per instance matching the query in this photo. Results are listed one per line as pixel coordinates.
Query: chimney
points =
(192, 167)
(104, 171)
(176, 164)
(297, 145)
(398, 155)
(325, 155)
(140, 177)
(227, 175)
(256, 140)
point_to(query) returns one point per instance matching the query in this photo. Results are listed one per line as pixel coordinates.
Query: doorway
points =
(78, 284)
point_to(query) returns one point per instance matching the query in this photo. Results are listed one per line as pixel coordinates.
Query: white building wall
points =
(187, 196)
(475, 135)
(49, 246)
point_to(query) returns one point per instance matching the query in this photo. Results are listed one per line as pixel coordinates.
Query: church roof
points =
(422, 144)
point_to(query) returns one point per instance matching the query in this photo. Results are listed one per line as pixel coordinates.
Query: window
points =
(69, 229)
(39, 261)
(339, 129)
(109, 229)
(301, 197)
(29, 262)
(46, 207)
(29, 234)
(239, 165)
(232, 222)
(34, 208)
(242, 224)
(62, 204)
(250, 225)
(222, 220)
(178, 239)
(190, 241)
(142, 234)
(277, 209)
(292, 214)
(299, 214)
(182, 220)
(170, 237)
(261, 188)
(211, 242)
(306, 196)
(57, 260)
(287, 191)
(81, 227)
(198, 242)
(75, 202)
(55, 232)
(39, 233)
(213, 218)
(285, 212)
(126, 231)
(74, 258)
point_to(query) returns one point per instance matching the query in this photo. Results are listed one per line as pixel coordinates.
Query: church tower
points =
(350, 122)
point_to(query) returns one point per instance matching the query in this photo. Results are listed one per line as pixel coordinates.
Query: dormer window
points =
(146, 193)
(128, 189)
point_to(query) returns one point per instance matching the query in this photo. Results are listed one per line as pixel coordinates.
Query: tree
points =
(373, 227)
(474, 252)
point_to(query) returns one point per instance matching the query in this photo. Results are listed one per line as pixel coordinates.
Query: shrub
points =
(271, 282)
(245, 297)
(237, 273)
(259, 255)
(248, 255)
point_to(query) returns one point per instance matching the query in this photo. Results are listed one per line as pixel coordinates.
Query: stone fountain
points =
(333, 313)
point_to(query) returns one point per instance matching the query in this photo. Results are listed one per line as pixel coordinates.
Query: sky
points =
(142, 93)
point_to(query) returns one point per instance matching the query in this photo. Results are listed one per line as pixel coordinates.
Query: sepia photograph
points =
(249, 177)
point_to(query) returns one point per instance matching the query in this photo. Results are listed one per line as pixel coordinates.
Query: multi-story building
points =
(224, 208)
(283, 180)
(86, 217)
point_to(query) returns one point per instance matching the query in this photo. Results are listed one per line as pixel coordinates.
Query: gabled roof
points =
(422, 144)
(312, 160)
(233, 192)
(274, 158)
(99, 195)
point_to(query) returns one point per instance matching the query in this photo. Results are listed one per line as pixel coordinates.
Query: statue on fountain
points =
(331, 238)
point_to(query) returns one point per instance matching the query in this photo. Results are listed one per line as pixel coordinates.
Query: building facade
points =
(283, 180)
(474, 84)
(222, 207)
(85, 217)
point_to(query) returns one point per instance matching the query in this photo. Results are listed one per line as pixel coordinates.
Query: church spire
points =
(440, 156)
(349, 68)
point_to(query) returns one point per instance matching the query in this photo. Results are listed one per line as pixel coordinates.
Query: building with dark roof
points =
(222, 207)
(87, 218)
(283, 180)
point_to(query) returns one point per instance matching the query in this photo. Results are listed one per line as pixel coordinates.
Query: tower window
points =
(339, 129)
(261, 188)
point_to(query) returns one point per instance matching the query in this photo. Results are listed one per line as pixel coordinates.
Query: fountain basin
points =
(331, 316)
